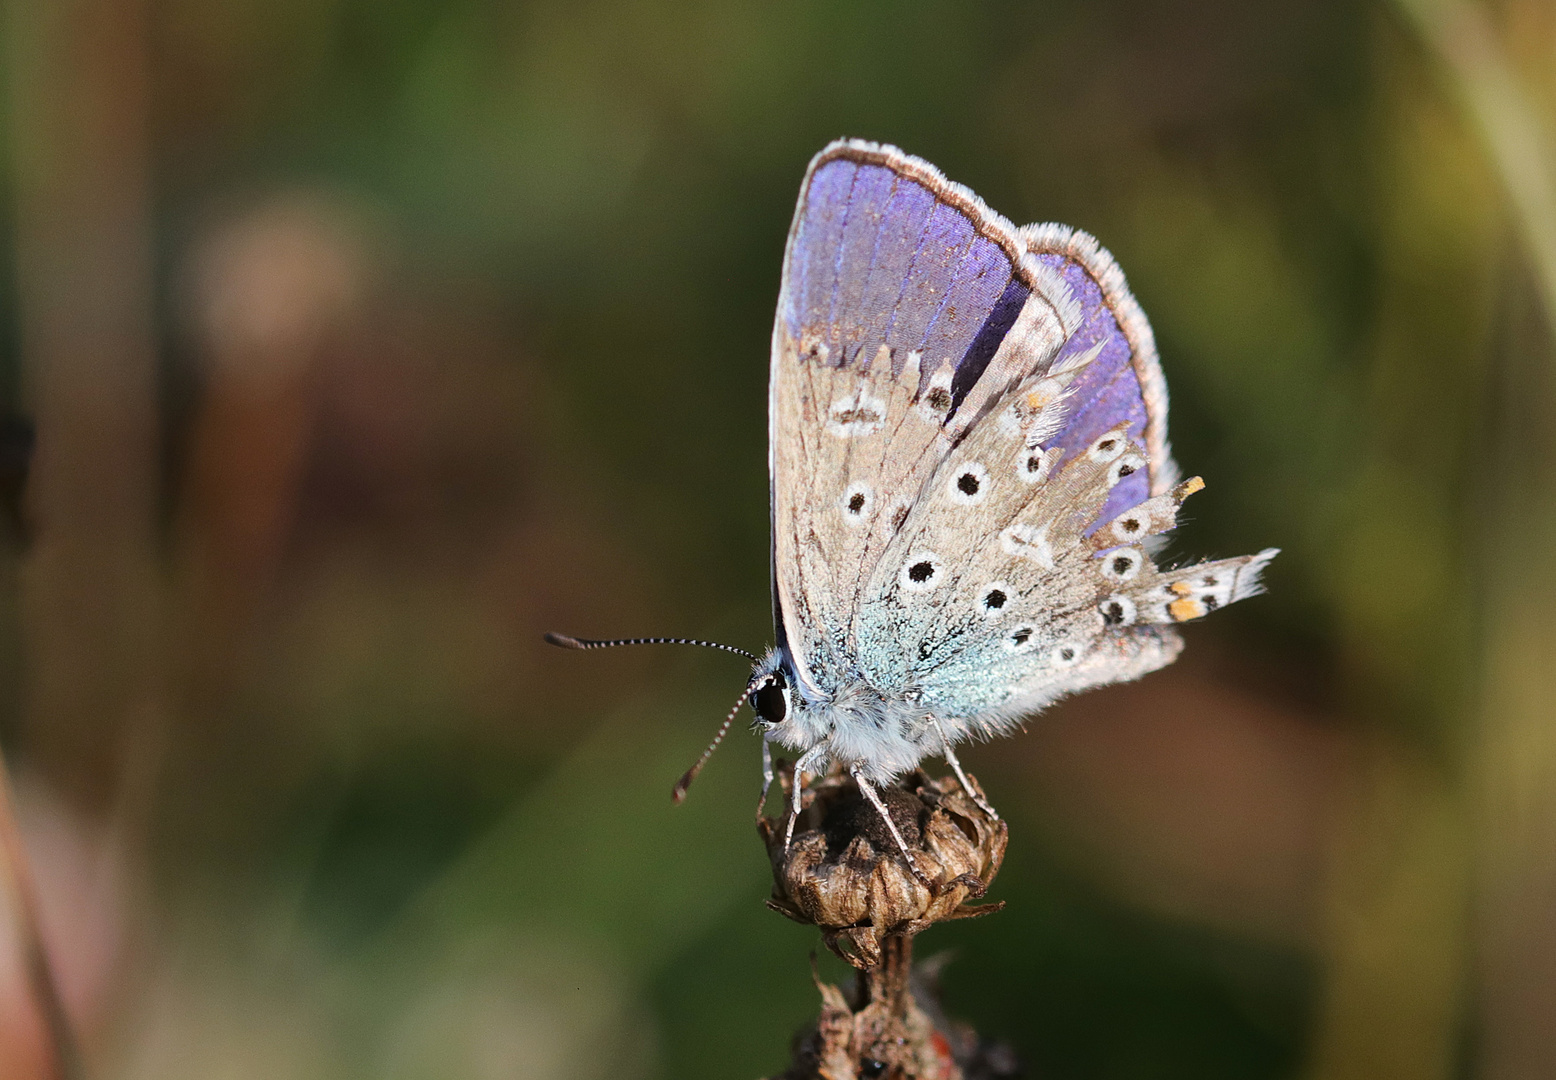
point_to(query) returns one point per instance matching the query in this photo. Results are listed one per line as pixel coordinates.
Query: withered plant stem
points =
(65, 1053)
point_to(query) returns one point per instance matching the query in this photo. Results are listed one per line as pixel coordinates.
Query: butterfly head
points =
(771, 693)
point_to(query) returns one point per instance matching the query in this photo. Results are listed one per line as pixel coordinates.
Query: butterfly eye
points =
(1122, 564)
(920, 573)
(1125, 466)
(1107, 448)
(771, 702)
(1117, 611)
(969, 484)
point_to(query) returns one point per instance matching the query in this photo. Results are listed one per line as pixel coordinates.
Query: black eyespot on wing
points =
(1105, 445)
(1113, 613)
(1122, 563)
(1130, 525)
(1210, 602)
(921, 572)
(1021, 636)
(1125, 470)
(994, 599)
(1067, 654)
(856, 504)
(967, 484)
(939, 399)
(1034, 463)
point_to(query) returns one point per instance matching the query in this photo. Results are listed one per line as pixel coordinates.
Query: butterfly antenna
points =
(678, 793)
(565, 641)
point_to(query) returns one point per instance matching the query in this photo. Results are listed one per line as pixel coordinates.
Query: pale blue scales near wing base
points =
(969, 460)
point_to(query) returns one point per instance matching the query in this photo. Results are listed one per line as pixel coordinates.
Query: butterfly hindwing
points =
(1030, 581)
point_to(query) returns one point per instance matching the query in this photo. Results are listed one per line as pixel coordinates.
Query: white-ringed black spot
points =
(1065, 654)
(1210, 601)
(1125, 466)
(857, 503)
(1117, 611)
(993, 599)
(1032, 467)
(969, 484)
(1107, 448)
(1122, 564)
(920, 573)
(1021, 638)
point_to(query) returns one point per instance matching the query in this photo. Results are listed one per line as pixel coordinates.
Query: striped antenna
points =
(565, 641)
(678, 793)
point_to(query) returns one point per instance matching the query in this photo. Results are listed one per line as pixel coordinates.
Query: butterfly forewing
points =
(895, 281)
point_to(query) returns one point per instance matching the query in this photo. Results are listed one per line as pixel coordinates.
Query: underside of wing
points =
(1024, 571)
(904, 299)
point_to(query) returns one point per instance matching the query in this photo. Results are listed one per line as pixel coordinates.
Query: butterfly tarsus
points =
(809, 762)
(975, 886)
(891, 826)
(767, 776)
(950, 756)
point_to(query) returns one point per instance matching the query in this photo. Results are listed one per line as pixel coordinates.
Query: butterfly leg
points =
(810, 761)
(956, 766)
(891, 826)
(767, 775)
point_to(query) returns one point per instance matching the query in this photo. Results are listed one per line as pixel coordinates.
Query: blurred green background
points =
(367, 341)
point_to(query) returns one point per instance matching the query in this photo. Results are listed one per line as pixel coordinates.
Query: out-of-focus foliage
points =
(454, 331)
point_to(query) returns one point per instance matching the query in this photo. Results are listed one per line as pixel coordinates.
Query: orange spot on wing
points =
(1184, 610)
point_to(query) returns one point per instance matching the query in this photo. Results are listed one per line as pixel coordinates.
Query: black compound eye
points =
(870, 1068)
(771, 703)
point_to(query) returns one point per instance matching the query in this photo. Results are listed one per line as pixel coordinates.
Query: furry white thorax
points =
(857, 725)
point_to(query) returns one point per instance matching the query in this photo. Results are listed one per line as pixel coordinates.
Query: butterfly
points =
(970, 477)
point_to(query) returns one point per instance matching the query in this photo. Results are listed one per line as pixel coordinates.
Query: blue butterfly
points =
(969, 475)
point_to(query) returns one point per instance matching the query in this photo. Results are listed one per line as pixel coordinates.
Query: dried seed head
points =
(844, 873)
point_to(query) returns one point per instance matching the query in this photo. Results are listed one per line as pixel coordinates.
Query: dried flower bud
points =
(844, 873)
